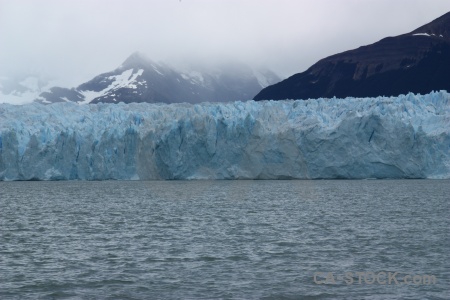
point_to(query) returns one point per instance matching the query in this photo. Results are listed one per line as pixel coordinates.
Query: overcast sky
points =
(76, 40)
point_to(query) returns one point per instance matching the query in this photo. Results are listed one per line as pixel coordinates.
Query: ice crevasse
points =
(384, 137)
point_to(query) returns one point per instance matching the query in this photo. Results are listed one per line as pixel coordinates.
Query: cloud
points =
(76, 40)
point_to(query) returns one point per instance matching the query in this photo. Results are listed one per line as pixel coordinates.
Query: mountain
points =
(417, 62)
(23, 88)
(140, 79)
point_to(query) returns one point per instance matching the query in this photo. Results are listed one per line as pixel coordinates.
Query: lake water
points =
(225, 239)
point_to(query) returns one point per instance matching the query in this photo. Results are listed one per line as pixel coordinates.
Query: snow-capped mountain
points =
(140, 79)
(418, 62)
(21, 89)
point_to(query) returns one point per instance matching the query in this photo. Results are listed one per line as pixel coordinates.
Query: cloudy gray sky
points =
(76, 40)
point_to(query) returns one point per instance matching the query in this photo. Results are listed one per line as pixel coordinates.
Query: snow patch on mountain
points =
(427, 34)
(19, 97)
(22, 90)
(424, 34)
(157, 70)
(127, 79)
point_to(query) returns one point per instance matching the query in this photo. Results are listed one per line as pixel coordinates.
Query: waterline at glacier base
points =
(353, 138)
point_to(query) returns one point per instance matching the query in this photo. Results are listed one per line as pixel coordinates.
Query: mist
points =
(73, 41)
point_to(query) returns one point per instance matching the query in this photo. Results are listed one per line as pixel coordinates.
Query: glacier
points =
(385, 137)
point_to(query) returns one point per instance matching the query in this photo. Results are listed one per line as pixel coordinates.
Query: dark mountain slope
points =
(417, 62)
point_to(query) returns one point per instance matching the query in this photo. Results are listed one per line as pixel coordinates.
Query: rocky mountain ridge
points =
(418, 62)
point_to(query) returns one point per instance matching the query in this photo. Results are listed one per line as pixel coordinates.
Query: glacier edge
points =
(385, 137)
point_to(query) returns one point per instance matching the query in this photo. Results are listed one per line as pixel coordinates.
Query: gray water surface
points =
(222, 239)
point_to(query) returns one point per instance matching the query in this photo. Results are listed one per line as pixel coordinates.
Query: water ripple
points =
(221, 239)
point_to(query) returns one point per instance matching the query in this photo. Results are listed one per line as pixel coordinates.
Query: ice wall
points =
(396, 137)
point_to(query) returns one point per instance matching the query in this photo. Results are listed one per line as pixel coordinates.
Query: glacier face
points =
(396, 137)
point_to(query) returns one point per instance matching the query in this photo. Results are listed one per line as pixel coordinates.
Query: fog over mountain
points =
(71, 42)
(140, 79)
